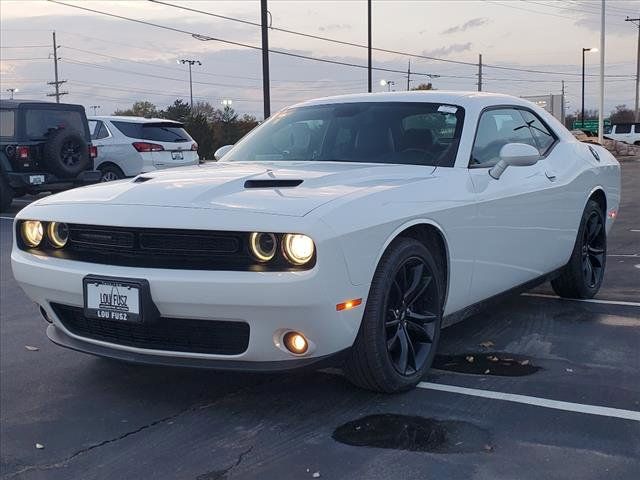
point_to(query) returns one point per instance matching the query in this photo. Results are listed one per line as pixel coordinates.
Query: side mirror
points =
(221, 152)
(514, 155)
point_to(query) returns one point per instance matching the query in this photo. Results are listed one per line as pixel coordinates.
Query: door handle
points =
(551, 175)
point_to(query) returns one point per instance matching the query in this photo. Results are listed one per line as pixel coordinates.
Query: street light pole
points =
(266, 94)
(584, 50)
(191, 63)
(637, 22)
(369, 69)
(12, 91)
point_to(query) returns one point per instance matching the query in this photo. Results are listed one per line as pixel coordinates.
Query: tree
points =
(424, 86)
(202, 132)
(139, 109)
(204, 108)
(622, 114)
(179, 111)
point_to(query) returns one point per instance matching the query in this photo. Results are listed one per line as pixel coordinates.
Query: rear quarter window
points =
(7, 123)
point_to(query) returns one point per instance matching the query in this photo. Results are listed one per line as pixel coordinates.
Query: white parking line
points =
(586, 300)
(536, 401)
(6, 218)
(632, 255)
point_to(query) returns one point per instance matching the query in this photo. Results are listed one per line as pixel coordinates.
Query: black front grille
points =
(170, 334)
(164, 248)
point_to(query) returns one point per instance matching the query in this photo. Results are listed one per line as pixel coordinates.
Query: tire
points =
(582, 276)
(66, 153)
(6, 194)
(110, 173)
(371, 364)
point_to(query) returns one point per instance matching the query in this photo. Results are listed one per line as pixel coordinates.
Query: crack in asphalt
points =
(62, 463)
(221, 474)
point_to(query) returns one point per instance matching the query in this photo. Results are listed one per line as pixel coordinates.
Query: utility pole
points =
(409, 76)
(266, 94)
(57, 82)
(562, 113)
(369, 70)
(637, 22)
(191, 63)
(601, 96)
(480, 72)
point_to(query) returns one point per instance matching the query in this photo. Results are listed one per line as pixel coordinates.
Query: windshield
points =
(381, 132)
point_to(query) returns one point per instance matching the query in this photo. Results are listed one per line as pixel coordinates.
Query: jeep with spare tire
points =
(44, 147)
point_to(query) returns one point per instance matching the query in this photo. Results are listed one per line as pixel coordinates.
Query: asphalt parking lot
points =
(566, 404)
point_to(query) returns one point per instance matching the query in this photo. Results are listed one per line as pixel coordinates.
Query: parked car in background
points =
(624, 132)
(44, 147)
(129, 146)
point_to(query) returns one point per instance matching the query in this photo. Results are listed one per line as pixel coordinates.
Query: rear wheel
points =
(110, 173)
(400, 328)
(582, 276)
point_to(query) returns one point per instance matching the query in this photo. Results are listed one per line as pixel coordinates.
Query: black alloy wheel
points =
(71, 153)
(410, 321)
(400, 328)
(582, 276)
(593, 250)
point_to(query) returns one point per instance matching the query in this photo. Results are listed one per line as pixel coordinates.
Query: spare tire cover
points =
(66, 153)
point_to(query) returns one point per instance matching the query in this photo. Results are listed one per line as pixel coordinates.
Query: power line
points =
(25, 59)
(341, 42)
(239, 44)
(24, 46)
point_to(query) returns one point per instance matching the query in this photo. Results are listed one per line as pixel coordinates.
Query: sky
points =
(110, 62)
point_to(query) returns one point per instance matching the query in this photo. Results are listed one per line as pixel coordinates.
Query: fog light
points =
(295, 343)
(32, 232)
(263, 245)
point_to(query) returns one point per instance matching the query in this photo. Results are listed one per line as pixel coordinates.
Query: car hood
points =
(250, 186)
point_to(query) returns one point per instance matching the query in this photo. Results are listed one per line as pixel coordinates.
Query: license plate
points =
(36, 179)
(112, 300)
(177, 156)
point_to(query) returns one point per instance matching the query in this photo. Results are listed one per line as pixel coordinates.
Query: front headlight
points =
(298, 248)
(263, 245)
(58, 234)
(32, 232)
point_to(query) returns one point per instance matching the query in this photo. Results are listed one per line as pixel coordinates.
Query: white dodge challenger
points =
(345, 230)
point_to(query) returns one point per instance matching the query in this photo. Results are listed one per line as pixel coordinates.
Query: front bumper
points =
(271, 303)
(51, 183)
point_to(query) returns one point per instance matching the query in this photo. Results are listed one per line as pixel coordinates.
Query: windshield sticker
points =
(447, 109)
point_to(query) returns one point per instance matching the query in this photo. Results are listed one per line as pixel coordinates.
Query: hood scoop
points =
(272, 183)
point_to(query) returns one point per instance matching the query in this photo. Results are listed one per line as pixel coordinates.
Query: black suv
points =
(44, 147)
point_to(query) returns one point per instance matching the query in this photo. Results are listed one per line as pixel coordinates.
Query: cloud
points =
(334, 27)
(443, 51)
(473, 23)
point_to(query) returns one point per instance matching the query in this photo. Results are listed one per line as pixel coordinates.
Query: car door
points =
(515, 233)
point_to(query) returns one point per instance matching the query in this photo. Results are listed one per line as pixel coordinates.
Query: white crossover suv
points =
(128, 146)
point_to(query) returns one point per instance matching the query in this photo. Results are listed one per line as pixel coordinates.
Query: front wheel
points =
(400, 327)
(582, 276)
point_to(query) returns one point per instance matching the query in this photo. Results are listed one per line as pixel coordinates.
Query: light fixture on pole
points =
(191, 63)
(12, 91)
(584, 50)
(95, 109)
(387, 83)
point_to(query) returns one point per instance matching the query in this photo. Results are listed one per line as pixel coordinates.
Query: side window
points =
(101, 131)
(623, 128)
(496, 128)
(7, 123)
(544, 138)
(636, 127)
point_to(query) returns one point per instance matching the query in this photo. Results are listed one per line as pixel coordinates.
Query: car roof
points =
(124, 118)
(4, 103)
(460, 98)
